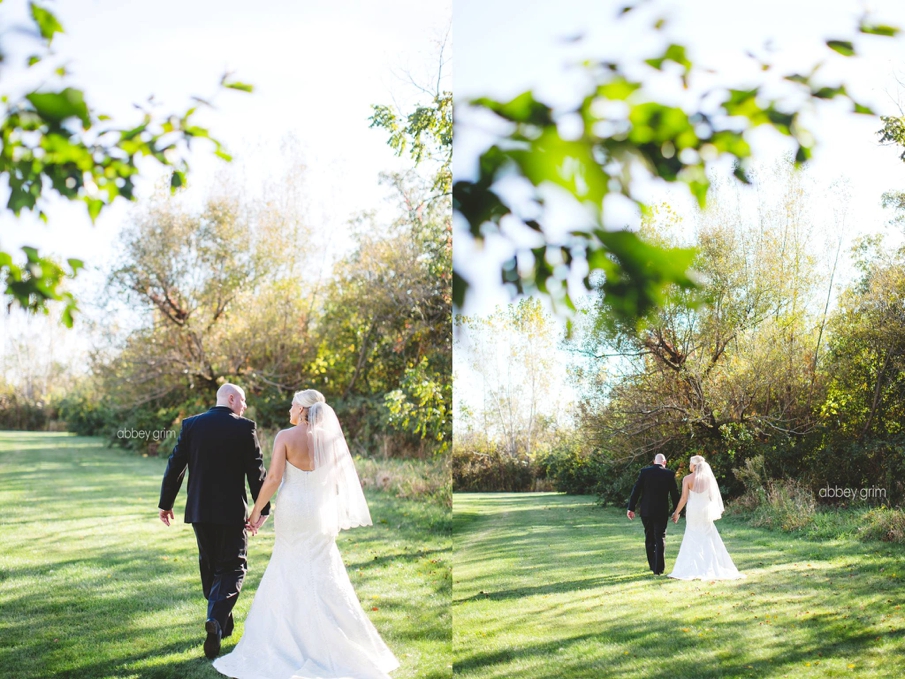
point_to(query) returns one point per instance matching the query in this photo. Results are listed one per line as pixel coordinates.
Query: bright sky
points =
(505, 47)
(508, 46)
(316, 67)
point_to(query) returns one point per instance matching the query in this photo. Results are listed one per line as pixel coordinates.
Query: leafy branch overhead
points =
(54, 143)
(620, 133)
(426, 133)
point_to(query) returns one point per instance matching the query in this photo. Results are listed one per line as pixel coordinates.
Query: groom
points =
(220, 450)
(655, 484)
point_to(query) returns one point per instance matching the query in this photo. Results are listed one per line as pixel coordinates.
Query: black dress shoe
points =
(212, 643)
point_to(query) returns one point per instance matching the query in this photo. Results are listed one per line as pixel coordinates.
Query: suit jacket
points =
(655, 485)
(220, 450)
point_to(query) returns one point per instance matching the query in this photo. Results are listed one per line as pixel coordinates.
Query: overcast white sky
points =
(316, 66)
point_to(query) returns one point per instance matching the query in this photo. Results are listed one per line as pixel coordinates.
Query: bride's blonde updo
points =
(696, 461)
(308, 398)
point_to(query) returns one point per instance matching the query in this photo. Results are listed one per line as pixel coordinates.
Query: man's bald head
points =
(232, 397)
(660, 458)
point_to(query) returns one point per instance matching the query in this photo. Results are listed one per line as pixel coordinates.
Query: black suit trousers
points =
(222, 556)
(655, 541)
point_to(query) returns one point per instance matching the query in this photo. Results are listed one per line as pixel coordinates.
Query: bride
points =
(305, 621)
(702, 554)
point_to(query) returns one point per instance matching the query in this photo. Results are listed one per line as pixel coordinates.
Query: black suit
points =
(655, 485)
(220, 450)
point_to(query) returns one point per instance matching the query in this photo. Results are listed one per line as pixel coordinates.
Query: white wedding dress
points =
(305, 621)
(703, 555)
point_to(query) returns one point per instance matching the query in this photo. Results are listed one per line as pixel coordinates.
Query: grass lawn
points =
(552, 586)
(93, 585)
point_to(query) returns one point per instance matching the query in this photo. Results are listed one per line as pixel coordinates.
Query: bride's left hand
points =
(252, 523)
(675, 518)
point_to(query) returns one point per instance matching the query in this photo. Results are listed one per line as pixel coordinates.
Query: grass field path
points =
(552, 586)
(93, 585)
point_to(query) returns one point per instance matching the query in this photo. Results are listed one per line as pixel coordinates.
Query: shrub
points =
(21, 412)
(480, 465)
(570, 469)
(883, 523)
(85, 415)
(427, 480)
(773, 503)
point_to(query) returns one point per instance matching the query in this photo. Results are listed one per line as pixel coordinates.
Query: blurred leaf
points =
(843, 47)
(177, 180)
(523, 109)
(879, 29)
(47, 23)
(58, 106)
(244, 87)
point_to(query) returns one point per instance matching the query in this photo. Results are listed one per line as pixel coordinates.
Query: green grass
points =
(93, 585)
(552, 586)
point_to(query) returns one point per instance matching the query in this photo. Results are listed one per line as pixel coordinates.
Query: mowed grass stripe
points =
(548, 585)
(93, 585)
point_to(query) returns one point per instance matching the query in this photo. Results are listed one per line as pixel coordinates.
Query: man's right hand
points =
(630, 514)
(253, 525)
(166, 515)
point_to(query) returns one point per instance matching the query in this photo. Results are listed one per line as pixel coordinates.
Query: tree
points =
(511, 350)
(626, 135)
(384, 334)
(406, 274)
(218, 296)
(427, 132)
(51, 141)
(730, 372)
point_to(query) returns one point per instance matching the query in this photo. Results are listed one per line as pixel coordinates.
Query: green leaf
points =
(879, 29)
(244, 87)
(618, 89)
(47, 23)
(34, 59)
(75, 265)
(674, 53)
(67, 318)
(861, 108)
(95, 206)
(829, 92)
(798, 78)
(177, 180)
(523, 109)
(56, 107)
(569, 164)
(843, 47)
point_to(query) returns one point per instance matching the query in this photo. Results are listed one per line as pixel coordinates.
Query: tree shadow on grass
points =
(588, 655)
(593, 583)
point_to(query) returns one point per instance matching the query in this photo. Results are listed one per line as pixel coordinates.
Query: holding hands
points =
(255, 521)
